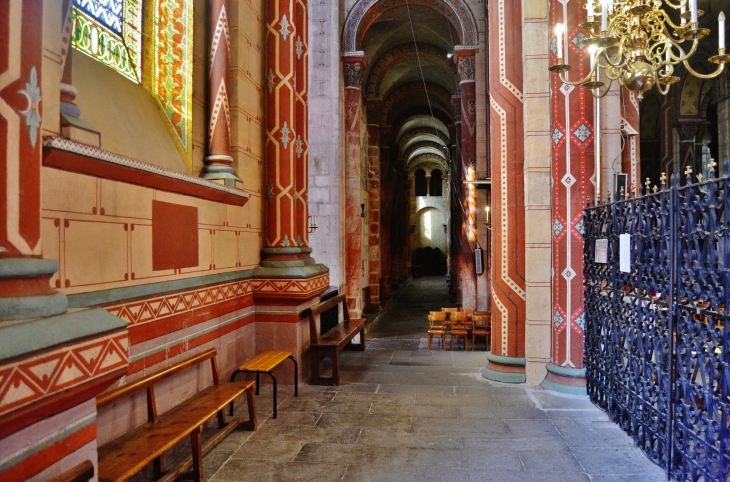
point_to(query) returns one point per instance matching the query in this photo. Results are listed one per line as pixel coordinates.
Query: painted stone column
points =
(386, 180)
(457, 215)
(506, 360)
(571, 137)
(466, 67)
(219, 162)
(373, 211)
(354, 69)
(286, 253)
(24, 277)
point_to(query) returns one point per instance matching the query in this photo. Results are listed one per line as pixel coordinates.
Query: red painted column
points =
(457, 215)
(281, 134)
(219, 162)
(25, 291)
(468, 239)
(506, 361)
(301, 141)
(572, 135)
(354, 69)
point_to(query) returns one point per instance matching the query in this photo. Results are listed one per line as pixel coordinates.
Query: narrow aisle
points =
(403, 413)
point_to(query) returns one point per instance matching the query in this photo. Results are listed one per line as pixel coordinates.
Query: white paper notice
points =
(601, 251)
(624, 252)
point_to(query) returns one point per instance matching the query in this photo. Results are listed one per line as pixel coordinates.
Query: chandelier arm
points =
(717, 72)
(601, 96)
(609, 64)
(684, 57)
(663, 91)
(578, 82)
(679, 5)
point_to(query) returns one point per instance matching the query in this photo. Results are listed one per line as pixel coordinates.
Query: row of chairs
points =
(459, 323)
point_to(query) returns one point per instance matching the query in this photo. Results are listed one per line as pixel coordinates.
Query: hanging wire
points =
(466, 217)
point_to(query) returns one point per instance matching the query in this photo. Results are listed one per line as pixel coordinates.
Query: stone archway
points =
(365, 12)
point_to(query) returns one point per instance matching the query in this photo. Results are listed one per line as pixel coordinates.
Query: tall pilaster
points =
(373, 211)
(218, 161)
(286, 253)
(571, 136)
(354, 69)
(506, 361)
(24, 276)
(386, 180)
(631, 153)
(466, 67)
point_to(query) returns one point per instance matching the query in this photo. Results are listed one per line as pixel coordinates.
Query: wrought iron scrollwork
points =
(656, 350)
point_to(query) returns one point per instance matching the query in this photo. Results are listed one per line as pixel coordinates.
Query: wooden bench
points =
(265, 363)
(133, 451)
(331, 343)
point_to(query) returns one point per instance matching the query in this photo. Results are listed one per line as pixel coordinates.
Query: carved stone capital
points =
(466, 67)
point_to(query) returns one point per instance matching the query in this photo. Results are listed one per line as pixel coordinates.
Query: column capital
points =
(354, 65)
(466, 66)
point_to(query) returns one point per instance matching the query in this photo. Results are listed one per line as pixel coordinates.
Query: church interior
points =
(180, 176)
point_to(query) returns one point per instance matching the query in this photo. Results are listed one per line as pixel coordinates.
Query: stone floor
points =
(403, 413)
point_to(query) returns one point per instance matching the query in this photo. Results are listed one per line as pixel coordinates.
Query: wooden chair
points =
(449, 312)
(436, 320)
(468, 311)
(481, 326)
(459, 328)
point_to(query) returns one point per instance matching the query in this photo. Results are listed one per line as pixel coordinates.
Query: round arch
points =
(365, 12)
(428, 123)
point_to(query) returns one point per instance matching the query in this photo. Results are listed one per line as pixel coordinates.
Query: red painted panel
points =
(174, 236)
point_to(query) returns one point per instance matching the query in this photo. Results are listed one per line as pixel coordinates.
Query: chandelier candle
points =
(721, 29)
(559, 34)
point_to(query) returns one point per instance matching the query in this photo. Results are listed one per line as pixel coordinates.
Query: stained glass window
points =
(111, 32)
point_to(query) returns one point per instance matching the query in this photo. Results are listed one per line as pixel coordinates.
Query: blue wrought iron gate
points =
(657, 350)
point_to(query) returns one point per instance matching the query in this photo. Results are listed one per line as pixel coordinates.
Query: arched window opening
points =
(421, 186)
(436, 182)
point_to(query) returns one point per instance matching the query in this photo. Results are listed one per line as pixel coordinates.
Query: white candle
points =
(589, 4)
(604, 15)
(721, 29)
(693, 8)
(667, 54)
(559, 34)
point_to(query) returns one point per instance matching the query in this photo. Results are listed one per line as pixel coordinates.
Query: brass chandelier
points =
(638, 44)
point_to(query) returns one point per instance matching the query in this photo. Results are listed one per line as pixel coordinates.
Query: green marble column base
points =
(31, 306)
(289, 262)
(504, 369)
(565, 380)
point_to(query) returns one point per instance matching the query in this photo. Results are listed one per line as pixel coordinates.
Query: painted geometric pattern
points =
(558, 319)
(579, 40)
(111, 32)
(581, 321)
(557, 227)
(557, 135)
(162, 306)
(29, 380)
(582, 133)
(173, 66)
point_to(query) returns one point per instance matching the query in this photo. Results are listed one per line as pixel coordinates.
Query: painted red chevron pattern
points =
(31, 379)
(159, 307)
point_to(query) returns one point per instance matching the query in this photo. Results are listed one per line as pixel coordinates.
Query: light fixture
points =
(312, 223)
(638, 44)
(449, 55)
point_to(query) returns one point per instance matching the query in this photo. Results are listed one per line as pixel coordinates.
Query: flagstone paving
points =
(404, 413)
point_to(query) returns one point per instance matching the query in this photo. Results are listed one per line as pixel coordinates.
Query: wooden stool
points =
(265, 363)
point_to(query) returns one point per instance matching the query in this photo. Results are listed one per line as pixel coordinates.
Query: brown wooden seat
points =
(448, 312)
(459, 328)
(481, 326)
(265, 363)
(468, 311)
(133, 451)
(436, 327)
(331, 343)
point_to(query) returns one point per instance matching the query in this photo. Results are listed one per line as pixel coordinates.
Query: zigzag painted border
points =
(31, 379)
(152, 309)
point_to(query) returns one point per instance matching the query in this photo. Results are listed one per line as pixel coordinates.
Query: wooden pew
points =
(331, 343)
(133, 451)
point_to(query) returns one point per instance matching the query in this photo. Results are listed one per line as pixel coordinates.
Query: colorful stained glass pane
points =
(173, 64)
(110, 13)
(111, 32)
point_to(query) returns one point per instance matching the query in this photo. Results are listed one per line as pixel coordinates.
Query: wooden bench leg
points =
(273, 379)
(250, 424)
(362, 339)
(296, 375)
(336, 367)
(197, 445)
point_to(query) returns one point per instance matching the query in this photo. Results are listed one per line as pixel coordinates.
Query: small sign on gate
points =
(602, 251)
(624, 252)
